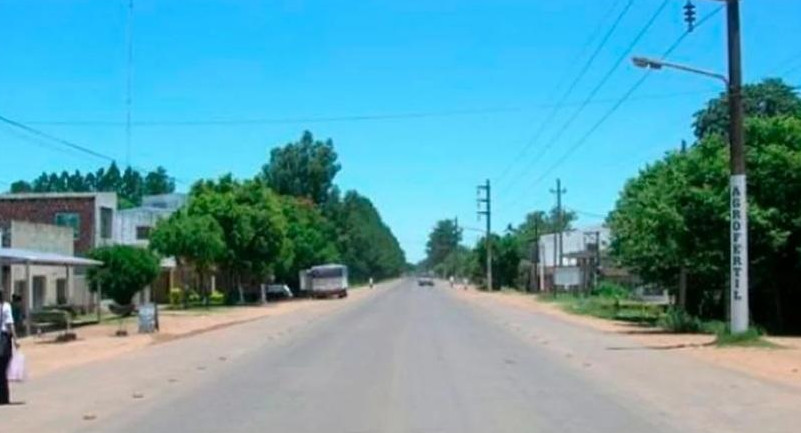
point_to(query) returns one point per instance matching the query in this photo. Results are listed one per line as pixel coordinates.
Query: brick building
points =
(90, 215)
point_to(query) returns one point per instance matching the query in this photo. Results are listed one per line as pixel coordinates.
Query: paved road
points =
(408, 359)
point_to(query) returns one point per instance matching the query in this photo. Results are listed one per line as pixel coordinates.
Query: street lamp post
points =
(738, 296)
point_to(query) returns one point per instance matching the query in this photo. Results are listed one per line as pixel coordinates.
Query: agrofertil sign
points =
(739, 254)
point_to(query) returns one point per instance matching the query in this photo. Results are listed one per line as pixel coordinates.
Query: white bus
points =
(325, 280)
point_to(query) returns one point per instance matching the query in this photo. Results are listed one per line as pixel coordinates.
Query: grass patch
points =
(751, 338)
(607, 308)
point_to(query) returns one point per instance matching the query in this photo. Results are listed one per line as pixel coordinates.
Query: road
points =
(406, 359)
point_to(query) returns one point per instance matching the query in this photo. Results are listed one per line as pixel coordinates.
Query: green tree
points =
(442, 241)
(367, 245)
(195, 240)
(770, 98)
(675, 213)
(158, 182)
(303, 169)
(126, 270)
(310, 236)
(253, 225)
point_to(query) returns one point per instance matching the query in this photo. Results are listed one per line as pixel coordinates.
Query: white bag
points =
(16, 368)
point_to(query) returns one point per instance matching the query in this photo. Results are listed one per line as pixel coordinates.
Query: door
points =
(61, 291)
(39, 285)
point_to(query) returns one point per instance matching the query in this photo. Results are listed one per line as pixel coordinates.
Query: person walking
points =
(7, 338)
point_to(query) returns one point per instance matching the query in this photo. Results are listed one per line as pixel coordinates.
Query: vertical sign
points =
(739, 255)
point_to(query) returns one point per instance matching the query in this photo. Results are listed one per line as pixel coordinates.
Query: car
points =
(278, 291)
(425, 281)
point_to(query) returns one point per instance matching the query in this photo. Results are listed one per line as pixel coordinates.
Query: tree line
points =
(288, 217)
(129, 184)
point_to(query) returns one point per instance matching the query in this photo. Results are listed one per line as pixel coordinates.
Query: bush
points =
(679, 321)
(611, 290)
(750, 338)
(216, 298)
(193, 298)
(125, 271)
(176, 297)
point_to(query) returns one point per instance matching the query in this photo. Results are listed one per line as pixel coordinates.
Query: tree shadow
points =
(664, 346)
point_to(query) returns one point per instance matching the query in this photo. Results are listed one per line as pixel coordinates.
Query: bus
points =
(325, 280)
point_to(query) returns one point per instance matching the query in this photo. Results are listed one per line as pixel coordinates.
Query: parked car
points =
(278, 291)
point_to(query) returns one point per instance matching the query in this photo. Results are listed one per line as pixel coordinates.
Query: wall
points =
(45, 238)
(42, 208)
(573, 241)
(129, 219)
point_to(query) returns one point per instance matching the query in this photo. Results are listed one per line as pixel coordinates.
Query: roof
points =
(10, 256)
(51, 195)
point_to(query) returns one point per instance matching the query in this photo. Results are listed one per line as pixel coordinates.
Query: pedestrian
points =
(7, 338)
(371, 282)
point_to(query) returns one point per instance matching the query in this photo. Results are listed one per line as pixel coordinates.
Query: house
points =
(52, 285)
(90, 215)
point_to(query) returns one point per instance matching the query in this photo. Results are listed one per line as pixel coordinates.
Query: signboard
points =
(567, 276)
(147, 318)
(739, 254)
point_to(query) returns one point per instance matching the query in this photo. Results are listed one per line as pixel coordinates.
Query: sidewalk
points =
(97, 342)
(781, 365)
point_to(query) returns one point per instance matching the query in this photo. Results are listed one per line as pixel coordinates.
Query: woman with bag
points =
(7, 338)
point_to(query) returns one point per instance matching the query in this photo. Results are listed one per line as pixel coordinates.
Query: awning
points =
(15, 256)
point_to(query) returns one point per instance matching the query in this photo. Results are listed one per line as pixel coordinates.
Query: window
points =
(69, 219)
(142, 233)
(106, 216)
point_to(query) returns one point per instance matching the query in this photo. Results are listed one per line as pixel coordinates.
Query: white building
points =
(133, 226)
(573, 241)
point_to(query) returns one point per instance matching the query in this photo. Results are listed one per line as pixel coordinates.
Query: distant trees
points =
(442, 241)
(129, 185)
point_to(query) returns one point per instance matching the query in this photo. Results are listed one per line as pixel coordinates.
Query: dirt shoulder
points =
(780, 365)
(98, 342)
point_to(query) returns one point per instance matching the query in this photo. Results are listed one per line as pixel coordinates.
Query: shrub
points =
(176, 297)
(193, 298)
(679, 321)
(750, 338)
(611, 290)
(216, 298)
(125, 271)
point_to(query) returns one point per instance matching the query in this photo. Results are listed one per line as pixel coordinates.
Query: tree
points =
(126, 270)
(303, 169)
(458, 263)
(367, 245)
(196, 240)
(158, 182)
(129, 185)
(676, 213)
(770, 98)
(310, 236)
(442, 241)
(252, 222)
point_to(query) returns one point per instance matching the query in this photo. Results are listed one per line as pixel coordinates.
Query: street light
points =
(738, 271)
(648, 63)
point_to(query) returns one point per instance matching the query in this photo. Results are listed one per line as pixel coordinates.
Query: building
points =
(583, 254)
(90, 215)
(133, 226)
(52, 285)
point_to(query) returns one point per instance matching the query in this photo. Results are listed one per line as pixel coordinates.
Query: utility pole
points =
(682, 299)
(560, 218)
(128, 80)
(536, 254)
(739, 203)
(486, 199)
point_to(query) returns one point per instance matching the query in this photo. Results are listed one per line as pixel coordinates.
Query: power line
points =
(619, 103)
(354, 118)
(41, 138)
(584, 69)
(620, 60)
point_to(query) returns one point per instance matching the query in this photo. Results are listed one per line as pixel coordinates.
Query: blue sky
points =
(503, 61)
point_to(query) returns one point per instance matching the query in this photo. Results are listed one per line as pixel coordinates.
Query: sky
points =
(423, 99)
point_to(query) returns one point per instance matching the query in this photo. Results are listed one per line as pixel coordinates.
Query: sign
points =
(739, 254)
(147, 318)
(567, 276)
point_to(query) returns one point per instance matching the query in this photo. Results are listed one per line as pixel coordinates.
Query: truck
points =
(324, 281)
